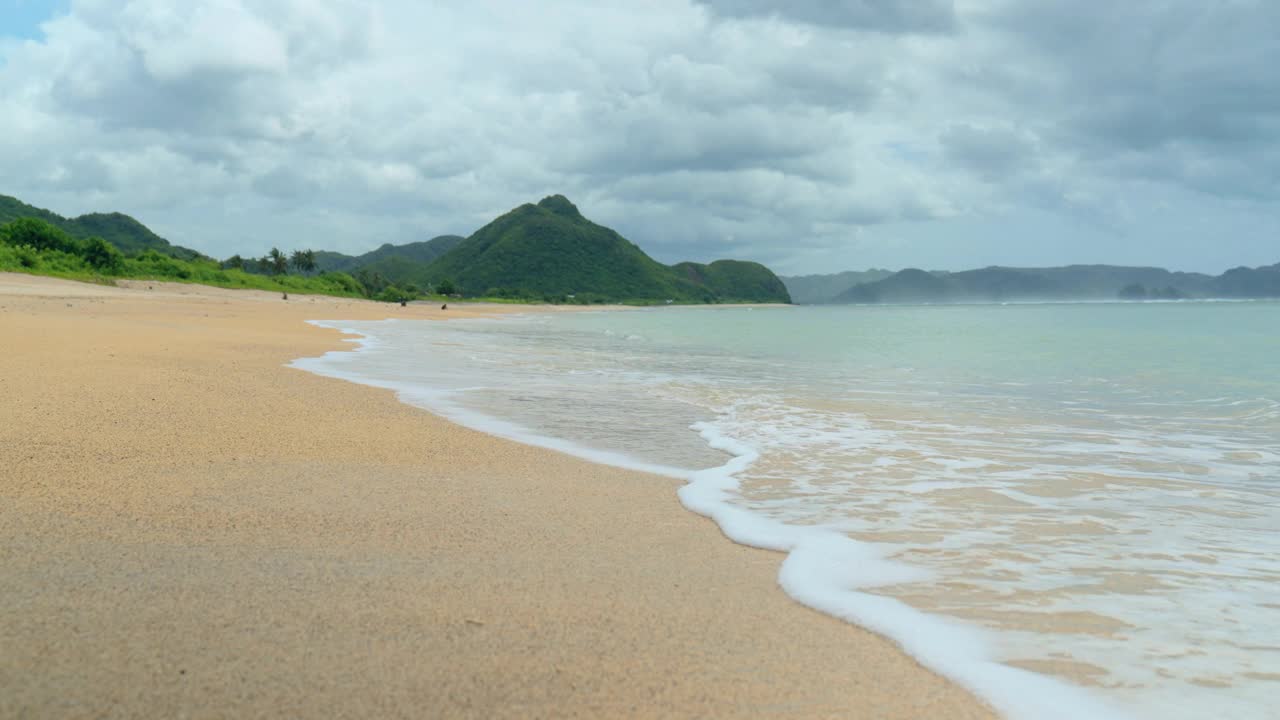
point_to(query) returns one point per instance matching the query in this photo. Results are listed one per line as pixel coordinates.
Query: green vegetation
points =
(536, 253)
(121, 231)
(388, 258)
(304, 261)
(550, 252)
(736, 280)
(103, 256)
(277, 263)
(35, 246)
(393, 294)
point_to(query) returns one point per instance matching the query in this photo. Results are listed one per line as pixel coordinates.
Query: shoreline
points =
(815, 566)
(192, 527)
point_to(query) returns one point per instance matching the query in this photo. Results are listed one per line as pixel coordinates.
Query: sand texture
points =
(188, 528)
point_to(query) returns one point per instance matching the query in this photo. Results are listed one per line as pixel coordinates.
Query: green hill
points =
(736, 280)
(122, 231)
(12, 208)
(328, 260)
(550, 249)
(422, 252)
(395, 270)
(543, 252)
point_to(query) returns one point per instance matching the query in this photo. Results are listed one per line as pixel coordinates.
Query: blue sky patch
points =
(22, 18)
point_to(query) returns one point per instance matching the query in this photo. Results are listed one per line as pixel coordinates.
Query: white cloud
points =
(816, 136)
(179, 41)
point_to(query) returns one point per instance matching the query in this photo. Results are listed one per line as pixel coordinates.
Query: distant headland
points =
(1006, 284)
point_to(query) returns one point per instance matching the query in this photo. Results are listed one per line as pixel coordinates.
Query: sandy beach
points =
(188, 528)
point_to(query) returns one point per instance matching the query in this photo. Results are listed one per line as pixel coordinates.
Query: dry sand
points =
(190, 529)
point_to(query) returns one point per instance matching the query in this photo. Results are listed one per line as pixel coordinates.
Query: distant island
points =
(1005, 284)
(546, 252)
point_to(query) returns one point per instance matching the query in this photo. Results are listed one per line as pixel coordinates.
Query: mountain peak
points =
(550, 250)
(560, 205)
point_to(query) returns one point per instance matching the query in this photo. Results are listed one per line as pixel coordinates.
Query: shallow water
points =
(1071, 509)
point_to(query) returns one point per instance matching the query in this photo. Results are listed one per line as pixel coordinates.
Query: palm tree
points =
(304, 261)
(277, 263)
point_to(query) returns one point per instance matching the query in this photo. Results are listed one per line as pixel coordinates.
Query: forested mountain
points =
(544, 252)
(550, 249)
(424, 251)
(128, 235)
(736, 280)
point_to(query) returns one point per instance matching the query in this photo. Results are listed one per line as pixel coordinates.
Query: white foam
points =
(827, 571)
(440, 402)
(1148, 511)
(823, 569)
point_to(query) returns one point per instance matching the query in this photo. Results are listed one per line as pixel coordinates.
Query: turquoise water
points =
(1070, 508)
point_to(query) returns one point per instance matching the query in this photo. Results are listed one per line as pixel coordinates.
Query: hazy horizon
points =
(814, 137)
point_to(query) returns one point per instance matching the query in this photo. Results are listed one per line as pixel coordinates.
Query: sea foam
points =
(822, 569)
(827, 571)
(1087, 491)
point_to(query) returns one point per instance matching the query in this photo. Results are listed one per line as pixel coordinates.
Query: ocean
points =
(1071, 509)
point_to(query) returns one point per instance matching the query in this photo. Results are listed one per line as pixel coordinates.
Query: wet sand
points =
(188, 528)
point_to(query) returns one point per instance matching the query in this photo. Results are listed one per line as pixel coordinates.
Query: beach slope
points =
(190, 528)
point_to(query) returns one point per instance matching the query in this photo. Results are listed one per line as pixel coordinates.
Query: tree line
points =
(275, 262)
(33, 245)
(32, 237)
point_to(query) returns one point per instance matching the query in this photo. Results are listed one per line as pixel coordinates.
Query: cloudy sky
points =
(812, 135)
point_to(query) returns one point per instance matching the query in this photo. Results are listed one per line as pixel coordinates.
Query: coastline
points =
(188, 526)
